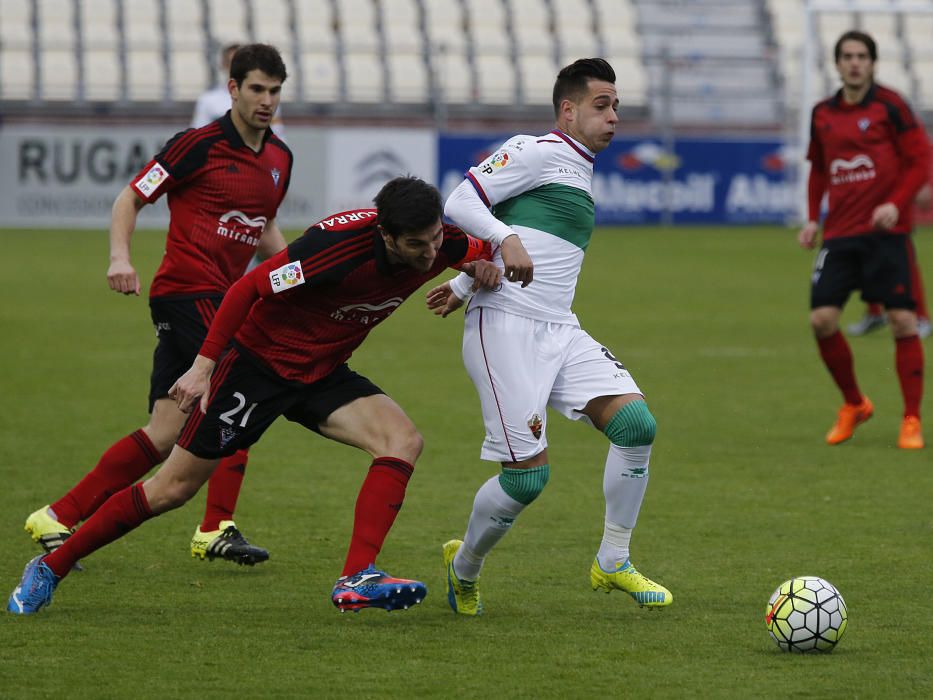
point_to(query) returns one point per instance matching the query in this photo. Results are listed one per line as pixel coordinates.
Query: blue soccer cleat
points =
(371, 588)
(35, 588)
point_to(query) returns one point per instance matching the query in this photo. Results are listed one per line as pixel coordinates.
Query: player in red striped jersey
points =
(295, 320)
(868, 151)
(224, 184)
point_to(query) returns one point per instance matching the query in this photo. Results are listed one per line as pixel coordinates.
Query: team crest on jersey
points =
(275, 176)
(535, 424)
(226, 435)
(286, 277)
(150, 182)
(864, 123)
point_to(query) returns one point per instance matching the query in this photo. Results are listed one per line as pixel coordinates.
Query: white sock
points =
(624, 483)
(494, 511)
(613, 550)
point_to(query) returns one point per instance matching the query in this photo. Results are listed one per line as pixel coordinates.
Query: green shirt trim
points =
(563, 211)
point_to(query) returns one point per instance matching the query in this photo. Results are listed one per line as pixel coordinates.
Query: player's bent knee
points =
(633, 425)
(524, 485)
(406, 444)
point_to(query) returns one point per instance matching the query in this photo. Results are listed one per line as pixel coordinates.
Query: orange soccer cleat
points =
(850, 416)
(911, 437)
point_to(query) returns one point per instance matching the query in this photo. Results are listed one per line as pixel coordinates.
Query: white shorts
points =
(521, 366)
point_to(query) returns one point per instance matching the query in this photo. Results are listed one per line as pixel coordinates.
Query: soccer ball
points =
(806, 614)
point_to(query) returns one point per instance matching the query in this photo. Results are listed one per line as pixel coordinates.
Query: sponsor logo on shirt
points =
(286, 277)
(239, 227)
(150, 182)
(864, 123)
(859, 169)
(367, 314)
(496, 162)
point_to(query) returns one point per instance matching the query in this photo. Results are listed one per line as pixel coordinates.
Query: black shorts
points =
(877, 264)
(181, 326)
(247, 397)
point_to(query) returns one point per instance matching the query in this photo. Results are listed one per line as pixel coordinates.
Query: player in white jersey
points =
(523, 346)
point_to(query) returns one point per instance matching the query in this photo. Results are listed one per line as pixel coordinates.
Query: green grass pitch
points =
(744, 494)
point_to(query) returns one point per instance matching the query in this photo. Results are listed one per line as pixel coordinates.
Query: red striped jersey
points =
(865, 155)
(221, 194)
(305, 310)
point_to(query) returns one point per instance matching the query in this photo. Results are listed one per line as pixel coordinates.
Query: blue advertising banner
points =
(638, 181)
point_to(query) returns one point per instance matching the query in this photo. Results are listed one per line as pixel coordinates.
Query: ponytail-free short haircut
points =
(572, 81)
(856, 35)
(407, 204)
(257, 56)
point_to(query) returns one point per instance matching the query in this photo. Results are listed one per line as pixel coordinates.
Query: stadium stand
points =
(902, 41)
(715, 61)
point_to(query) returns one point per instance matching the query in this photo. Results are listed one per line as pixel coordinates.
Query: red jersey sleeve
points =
(462, 248)
(816, 183)
(914, 149)
(236, 306)
(183, 155)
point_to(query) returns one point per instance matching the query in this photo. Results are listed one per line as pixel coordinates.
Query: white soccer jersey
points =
(540, 186)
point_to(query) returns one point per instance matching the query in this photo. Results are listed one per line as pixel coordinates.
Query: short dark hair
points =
(406, 204)
(856, 35)
(257, 56)
(572, 80)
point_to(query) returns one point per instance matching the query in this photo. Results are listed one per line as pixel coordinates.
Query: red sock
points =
(124, 463)
(223, 490)
(909, 361)
(837, 356)
(875, 310)
(916, 286)
(122, 512)
(378, 504)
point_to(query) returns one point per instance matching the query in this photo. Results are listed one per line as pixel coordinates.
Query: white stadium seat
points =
(364, 77)
(320, 78)
(59, 75)
(145, 75)
(315, 25)
(227, 21)
(357, 25)
(101, 75)
(17, 74)
(537, 75)
(408, 79)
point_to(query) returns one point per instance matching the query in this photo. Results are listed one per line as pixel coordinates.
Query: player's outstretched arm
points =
(121, 276)
(465, 207)
(450, 296)
(442, 300)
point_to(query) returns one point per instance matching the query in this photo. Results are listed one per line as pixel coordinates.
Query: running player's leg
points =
(172, 485)
(351, 410)
(920, 297)
(890, 279)
(179, 329)
(218, 531)
(512, 362)
(595, 387)
(838, 271)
